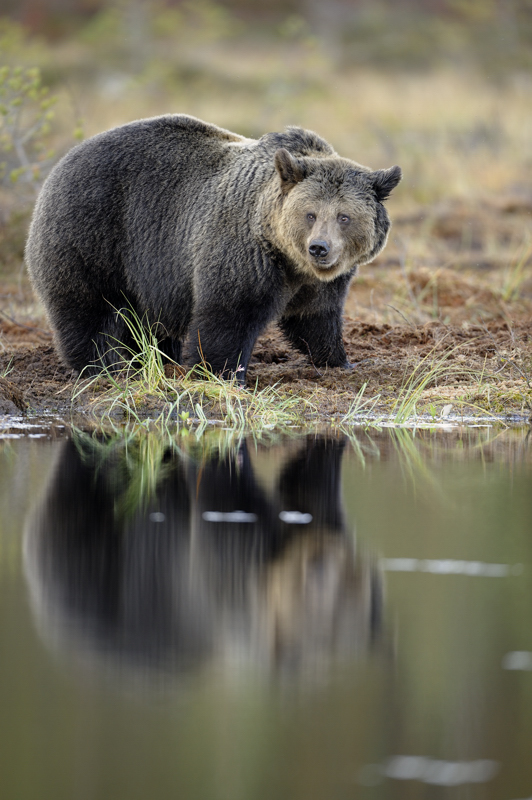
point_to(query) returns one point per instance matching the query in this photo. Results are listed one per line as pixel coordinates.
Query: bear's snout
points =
(319, 248)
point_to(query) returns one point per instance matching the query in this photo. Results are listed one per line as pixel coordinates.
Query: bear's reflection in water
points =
(183, 562)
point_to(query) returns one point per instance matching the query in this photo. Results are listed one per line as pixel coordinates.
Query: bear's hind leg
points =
(93, 346)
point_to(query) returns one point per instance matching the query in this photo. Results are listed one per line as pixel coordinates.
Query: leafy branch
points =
(26, 113)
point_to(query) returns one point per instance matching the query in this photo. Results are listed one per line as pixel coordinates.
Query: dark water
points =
(312, 617)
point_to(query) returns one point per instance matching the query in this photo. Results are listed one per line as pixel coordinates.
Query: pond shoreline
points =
(433, 371)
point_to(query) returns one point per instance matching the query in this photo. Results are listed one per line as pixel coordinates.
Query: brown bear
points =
(206, 234)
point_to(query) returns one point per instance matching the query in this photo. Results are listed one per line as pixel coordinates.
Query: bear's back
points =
(140, 167)
(157, 144)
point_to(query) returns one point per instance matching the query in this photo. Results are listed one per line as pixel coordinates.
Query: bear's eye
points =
(311, 217)
(344, 219)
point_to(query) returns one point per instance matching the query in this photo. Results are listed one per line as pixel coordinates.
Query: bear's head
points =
(331, 218)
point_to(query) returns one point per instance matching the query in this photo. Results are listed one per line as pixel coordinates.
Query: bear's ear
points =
(289, 169)
(384, 180)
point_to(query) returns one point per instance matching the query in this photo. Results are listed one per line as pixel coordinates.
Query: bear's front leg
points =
(312, 322)
(223, 339)
(318, 336)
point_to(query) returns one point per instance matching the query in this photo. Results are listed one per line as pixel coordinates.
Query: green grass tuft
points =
(141, 381)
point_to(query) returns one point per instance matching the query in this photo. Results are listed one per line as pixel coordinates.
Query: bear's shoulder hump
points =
(298, 141)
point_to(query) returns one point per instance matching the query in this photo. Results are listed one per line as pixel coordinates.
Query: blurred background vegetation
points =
(441, 87)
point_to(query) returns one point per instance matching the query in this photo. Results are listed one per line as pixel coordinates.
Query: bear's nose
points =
(318, 248)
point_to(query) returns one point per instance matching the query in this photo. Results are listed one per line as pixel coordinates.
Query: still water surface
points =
(309, 617)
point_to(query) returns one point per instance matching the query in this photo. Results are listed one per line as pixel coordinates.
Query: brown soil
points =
(463, 289)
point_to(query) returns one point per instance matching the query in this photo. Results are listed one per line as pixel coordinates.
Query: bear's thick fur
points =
(207, 235)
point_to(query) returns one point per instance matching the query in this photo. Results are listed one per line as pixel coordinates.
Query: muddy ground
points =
(451, 295)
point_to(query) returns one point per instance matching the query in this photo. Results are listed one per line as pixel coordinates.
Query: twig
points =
(403, 316)
(318, 373)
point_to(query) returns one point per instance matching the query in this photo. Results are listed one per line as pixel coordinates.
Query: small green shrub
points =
(26, 113)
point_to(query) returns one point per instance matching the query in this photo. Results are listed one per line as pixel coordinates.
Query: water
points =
(315, 617)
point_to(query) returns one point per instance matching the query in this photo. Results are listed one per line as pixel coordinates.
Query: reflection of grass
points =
(418, 452)
(135, 460)
(413, 461)
(134, 463)
(362, 444)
